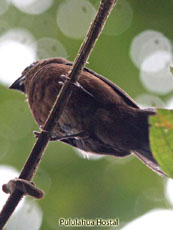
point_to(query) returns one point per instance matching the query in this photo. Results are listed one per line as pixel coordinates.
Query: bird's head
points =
(29, 72)
(19, 84)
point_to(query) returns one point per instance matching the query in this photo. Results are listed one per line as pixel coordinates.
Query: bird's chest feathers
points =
(76, 116)
(72, 121)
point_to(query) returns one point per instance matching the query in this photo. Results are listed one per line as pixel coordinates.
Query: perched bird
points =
(99, 117)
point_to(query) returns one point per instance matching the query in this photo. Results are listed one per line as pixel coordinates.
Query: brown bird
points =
(99, 117)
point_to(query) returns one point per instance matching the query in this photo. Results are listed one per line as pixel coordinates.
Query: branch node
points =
(27, 187)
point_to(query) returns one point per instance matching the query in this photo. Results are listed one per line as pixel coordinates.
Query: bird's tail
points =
(145, 153)
(150, 162)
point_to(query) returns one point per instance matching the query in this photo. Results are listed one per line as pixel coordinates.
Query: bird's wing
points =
(117, 89)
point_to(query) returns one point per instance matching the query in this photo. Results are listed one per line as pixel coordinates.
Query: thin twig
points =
(63, 97)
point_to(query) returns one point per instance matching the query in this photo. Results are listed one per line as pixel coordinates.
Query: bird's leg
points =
(52, 136)
(55, 137)
(76, 85)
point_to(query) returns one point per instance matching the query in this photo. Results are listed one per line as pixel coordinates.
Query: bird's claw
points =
(52, 136)
(76, 85)
(36, 134)
(55, 137)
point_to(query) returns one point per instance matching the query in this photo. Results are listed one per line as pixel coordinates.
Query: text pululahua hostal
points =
(88, 222)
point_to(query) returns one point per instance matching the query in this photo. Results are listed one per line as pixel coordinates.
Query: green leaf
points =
(161, 139)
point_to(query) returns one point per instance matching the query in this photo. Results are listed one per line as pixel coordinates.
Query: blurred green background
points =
(135, 52)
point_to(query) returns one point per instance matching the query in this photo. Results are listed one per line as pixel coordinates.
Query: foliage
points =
(161, 139)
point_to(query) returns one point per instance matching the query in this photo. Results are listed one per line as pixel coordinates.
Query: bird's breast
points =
(76, 116)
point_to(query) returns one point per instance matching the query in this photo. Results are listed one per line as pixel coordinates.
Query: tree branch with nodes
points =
(23, 186)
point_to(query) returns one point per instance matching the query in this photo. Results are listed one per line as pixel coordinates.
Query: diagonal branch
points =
(63, 97)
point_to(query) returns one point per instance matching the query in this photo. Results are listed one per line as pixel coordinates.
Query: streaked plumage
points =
(105, 118)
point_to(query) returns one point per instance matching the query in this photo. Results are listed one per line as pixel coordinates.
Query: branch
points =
(63, 97)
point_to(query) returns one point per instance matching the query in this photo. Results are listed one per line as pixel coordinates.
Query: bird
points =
(99, 118)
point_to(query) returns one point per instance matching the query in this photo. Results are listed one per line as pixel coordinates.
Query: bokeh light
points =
(16, 52)
(120, 19)
(29, 217)
(74, 17)
(157, 219)
(147, 44)
(148, 100)
(32, 6)
(169, 103)
(7, 173)
(169, 190)
(151, 52)
(157, 61)
(160, 82)
(49, 47)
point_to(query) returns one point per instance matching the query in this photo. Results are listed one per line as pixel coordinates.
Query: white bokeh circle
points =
(149, 100)
(149, 45)
(160, 82)
(74, 17)
(169, 103)
(28, 217)
(151, 52)
(49, 47)
(16, 52)
(120, 19)
(169, 189)
(32, 6)
(156, 219)
(7, 173)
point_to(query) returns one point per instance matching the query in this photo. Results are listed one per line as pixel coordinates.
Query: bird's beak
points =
(19, 84)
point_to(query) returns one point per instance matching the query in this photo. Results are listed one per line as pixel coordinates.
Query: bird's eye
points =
(30, 66)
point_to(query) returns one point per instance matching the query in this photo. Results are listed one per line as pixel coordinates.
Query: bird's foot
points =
(55, 137)
(76, 85)
(52, 136)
